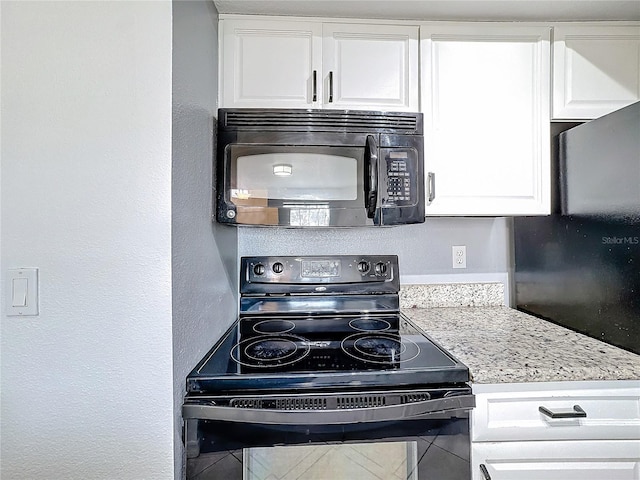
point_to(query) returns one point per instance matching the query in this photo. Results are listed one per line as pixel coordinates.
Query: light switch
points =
(22, 292)
(19, 295)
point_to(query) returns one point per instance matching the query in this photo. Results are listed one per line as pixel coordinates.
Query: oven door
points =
(302, 185)
(433, 445)
(241, 432)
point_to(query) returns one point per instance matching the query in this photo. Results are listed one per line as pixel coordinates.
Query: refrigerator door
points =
(581, 273)
(600, 166)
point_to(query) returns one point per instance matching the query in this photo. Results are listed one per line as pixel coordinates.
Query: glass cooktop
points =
(263, 352)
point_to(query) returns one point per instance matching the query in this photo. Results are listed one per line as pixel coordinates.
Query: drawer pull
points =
(577, 412)
(330, 87)
(315, 86)
(485, 472)
(431, 187)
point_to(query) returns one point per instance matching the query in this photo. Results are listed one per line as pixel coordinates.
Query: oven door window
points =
(381, 460)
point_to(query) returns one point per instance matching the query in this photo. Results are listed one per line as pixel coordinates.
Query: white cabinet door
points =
(485, 98)
(572, 460)
(596, 69)
(370, 67)
(273, 64)
(287, 64)
(611, 411)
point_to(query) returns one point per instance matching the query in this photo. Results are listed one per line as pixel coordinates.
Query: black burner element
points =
(379, 347)
(269, 351)
(384, 349)
(274, 326)
(369, 324)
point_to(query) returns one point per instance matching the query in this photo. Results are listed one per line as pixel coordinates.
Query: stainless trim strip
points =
(327, 417)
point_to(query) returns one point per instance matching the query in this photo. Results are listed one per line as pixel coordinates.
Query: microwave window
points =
(296, 176)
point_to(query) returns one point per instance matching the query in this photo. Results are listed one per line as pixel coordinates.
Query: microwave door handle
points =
(371, 176)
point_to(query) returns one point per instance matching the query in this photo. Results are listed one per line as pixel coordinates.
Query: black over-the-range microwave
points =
(319, 168)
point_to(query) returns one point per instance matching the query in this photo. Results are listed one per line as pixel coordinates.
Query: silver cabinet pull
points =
(314, 92)
(485, 472)
(431, 183)
(330, 87)
(577, 412)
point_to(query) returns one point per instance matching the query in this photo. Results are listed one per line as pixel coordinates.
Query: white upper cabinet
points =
(288, 63)
(596, 69)
(485, 97)
(270, 63)
(370, 67)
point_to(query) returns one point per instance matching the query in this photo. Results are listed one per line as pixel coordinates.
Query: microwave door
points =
(294, 185)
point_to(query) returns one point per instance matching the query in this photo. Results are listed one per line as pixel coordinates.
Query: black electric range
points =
(320, 345)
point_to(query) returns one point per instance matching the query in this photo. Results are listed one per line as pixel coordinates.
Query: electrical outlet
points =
(459, 254)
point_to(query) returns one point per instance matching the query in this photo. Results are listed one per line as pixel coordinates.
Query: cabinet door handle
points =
(314, 81)
(330, 87)
(431, 185)
(577, 412)
(485, 472)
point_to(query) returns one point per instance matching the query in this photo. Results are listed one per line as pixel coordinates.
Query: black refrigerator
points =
(580, 266)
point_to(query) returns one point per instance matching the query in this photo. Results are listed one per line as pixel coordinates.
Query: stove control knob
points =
(258, 269)
(363, 267)
(381, 268)
(277, 267)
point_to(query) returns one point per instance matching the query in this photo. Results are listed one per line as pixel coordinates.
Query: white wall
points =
(204, 253)
(87, 388)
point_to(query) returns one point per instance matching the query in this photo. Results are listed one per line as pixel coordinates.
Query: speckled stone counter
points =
(452, 295)
(502, 345)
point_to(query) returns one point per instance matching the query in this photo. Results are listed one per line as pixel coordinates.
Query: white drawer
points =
(568, 460)
(511, 412)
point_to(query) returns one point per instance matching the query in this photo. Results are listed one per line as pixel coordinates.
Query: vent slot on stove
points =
(301, 404)
(361, 402)
(329, 402)
(415, 397)
(246, 403)
(287, 403)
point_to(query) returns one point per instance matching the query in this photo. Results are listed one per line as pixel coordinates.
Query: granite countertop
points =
(503, 345)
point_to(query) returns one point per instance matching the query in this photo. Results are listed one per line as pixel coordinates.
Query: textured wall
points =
(204, 286)
(86, 190)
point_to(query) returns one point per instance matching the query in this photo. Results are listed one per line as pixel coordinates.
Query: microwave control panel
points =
(401, 177)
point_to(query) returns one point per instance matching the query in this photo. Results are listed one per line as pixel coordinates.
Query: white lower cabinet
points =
(567, 460)
(556, 431)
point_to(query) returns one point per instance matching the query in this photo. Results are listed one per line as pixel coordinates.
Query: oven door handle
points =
(205, 410)
(371, 176)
